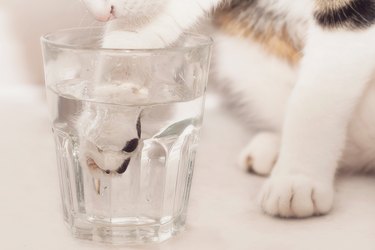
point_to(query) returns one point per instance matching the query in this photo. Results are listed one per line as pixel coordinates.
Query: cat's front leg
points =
(173, 19)
(334, 73)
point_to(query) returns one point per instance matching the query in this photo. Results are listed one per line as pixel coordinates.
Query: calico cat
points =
(301, 72)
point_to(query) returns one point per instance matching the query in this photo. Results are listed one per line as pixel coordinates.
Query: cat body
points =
(265, 88)
(301, 72)
(262, 91)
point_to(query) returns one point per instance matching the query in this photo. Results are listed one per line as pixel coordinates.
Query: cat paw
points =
(260, 155)
(296, 196)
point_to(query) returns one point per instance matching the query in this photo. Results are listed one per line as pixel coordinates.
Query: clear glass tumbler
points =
(126, 125)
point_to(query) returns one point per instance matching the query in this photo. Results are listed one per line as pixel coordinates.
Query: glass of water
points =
(126, 125)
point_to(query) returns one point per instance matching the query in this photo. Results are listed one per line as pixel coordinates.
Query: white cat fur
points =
(322, 107)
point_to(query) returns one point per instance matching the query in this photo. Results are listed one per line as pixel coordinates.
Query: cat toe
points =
(261, 154)
(296, 196)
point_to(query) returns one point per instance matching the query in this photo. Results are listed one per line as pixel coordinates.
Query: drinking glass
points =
(126, 125)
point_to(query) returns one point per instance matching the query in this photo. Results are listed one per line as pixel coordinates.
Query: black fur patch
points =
(131, 145)
(139, 127)
(358, 14)
(123, 166)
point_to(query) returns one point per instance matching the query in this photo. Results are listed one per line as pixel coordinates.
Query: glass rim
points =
(202, 41)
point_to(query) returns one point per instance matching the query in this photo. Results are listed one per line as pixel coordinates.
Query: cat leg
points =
(334, 73)
(174, 19)
(260, 155)
(258, 86)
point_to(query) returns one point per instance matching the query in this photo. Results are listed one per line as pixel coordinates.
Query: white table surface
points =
(222, 213)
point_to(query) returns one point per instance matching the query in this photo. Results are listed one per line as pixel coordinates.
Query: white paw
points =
(261, 154)
(296, 196)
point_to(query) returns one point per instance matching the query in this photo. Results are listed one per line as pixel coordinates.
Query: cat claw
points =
(97, 185)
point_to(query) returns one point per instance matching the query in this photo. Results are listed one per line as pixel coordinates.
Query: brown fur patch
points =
(277, 43)
(329, 5)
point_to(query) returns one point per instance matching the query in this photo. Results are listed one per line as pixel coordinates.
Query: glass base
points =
(126, 234)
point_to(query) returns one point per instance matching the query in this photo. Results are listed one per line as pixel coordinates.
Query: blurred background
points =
(22, 23)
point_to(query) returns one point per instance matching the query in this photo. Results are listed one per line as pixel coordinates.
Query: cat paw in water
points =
(296, 196)
(261, 154)
(110, 135)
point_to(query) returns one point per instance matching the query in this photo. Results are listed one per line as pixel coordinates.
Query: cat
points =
(300, 72)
